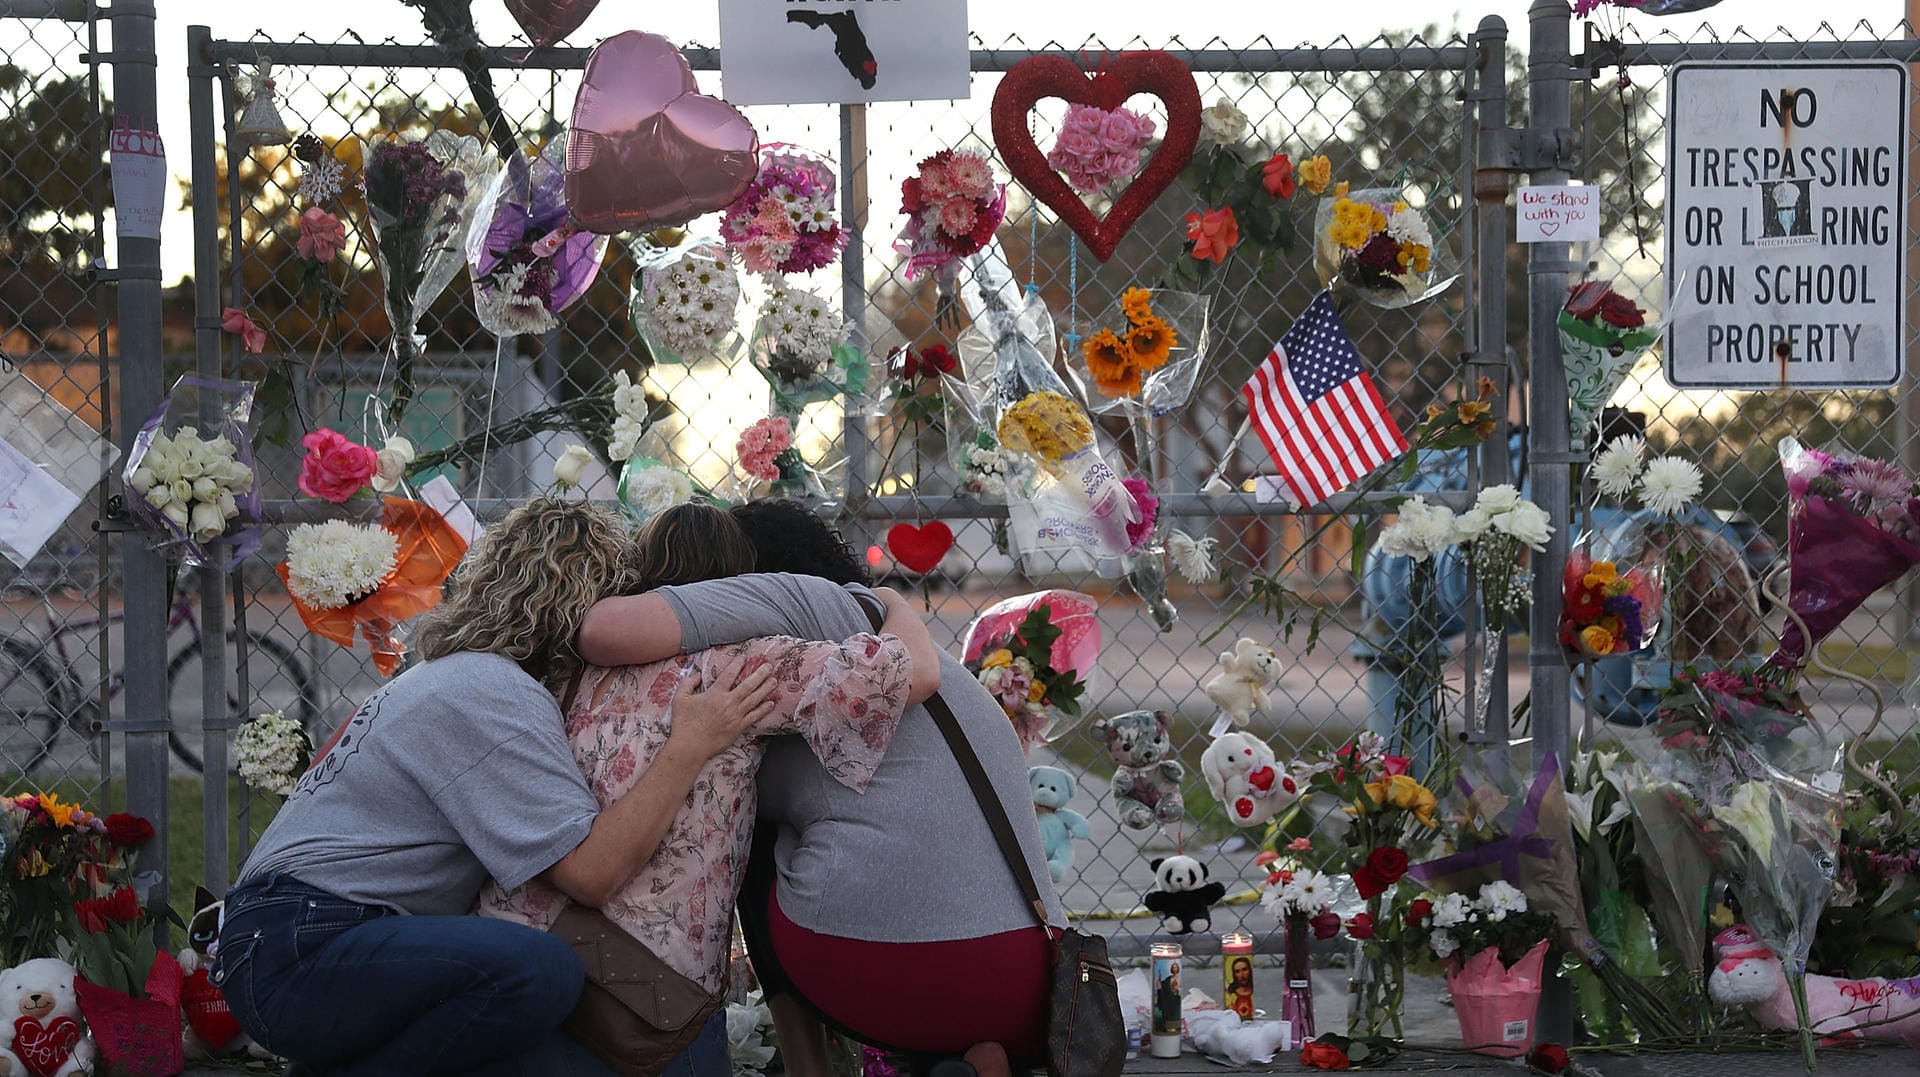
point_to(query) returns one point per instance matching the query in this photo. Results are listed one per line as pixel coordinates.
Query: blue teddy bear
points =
(1059, 825)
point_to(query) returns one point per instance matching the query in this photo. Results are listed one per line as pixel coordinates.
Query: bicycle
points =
(40, 693)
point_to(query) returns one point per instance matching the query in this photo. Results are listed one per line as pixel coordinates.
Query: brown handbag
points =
(635, 1013)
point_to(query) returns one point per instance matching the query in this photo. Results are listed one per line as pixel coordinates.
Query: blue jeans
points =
(360, 990)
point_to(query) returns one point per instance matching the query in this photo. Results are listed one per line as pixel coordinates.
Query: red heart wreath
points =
(1150, 71)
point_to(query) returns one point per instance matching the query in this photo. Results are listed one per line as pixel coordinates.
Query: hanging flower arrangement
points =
(784, 223)
(1098, 148)
(349, 580)
(527, 264)
(1118, 360)
(953, 207)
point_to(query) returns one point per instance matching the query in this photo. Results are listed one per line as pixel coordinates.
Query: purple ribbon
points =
(1524, 838)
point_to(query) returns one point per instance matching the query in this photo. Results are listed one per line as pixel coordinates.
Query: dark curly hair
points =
(789, 537)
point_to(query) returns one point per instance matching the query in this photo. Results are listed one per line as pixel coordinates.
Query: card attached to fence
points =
(1557, 215)
(33, 505)
(49, 459)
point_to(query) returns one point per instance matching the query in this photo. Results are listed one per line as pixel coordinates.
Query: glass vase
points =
(1296, 1004)
(1379, 981)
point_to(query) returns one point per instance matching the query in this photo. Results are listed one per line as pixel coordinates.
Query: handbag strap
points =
(983, 794)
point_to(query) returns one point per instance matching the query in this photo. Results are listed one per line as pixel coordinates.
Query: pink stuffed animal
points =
(1748, 974)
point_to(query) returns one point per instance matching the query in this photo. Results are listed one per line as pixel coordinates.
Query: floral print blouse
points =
(845, 699)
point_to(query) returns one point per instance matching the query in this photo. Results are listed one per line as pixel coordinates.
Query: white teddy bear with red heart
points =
(1243, 776)
(48, 1039)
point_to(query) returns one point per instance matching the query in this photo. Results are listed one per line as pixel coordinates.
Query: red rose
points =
(902, 363)
(128, 831)
(1368, 883)
(1388, 863)
(1584, 300)
(1277, 176)
(1326, 925)
(1549, 1058)
(1418, 911)
(1324, 1056)
(1395, 764)
(1361, 926)
(936, 359)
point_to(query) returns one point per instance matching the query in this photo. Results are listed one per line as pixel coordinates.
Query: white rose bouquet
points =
(190, 474)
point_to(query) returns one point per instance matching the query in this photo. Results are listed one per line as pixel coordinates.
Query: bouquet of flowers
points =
(1494, 531)
(1605, 611)
(1152, 359)
(1749, 700)
(683, 307)
(766, 452)
(1249, 198)
(1494, 947)
(1602, 335)
(953, 207)
(1377, 244)
(1098, 147)
(349, 580)
(800, 347)
(1034, 653)
(784, 222)
(190, 470)
(751, 1045)
(527, 264)
(1867, 927)
(336, 469)
(1853, 528)
(421, 198)
(54, 854)
(272, 751)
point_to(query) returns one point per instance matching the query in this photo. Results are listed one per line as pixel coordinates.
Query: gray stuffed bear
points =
(1146, 781)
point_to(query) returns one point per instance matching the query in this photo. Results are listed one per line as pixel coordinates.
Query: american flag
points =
(1317, 411)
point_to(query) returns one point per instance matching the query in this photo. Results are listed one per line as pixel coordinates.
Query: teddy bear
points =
(1747, 973)
(1184, 896)
(48, 1039)
(211, 1027)
(1242, 775)
(1059, 825)
(1246, 672)
(1146, 778)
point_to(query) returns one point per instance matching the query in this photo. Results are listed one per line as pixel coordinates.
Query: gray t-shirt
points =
(911, 859)
(455, 771)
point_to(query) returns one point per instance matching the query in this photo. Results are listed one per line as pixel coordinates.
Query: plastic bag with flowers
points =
(1035, 653)
(799, 345)
(1853, 527)
(527, 264)
(953, 206)
(1146, 353)
(1377, 245)
(1602, 335)
(766, 453)
(363, 580)
(784, 221)
(190, 472)
(1494, 947)
(1605, 610)
(987, 472)
(684, 298)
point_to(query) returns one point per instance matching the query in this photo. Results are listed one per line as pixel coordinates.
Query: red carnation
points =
(1621, 313)
(1550, 1058)
(1361, 926)
(1326, 925)
(1388, 862)
(128, 831)
(911, 200)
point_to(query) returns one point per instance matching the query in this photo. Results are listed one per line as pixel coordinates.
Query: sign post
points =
(1786, 225)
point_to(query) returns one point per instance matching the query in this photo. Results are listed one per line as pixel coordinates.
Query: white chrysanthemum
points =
(1422, 531)
(803, 327)
(271, 752)
(1409, 225)
(1192, 557)
(1443, 944)
(1669, 485)
(657, 489)
(691, 303)
(1309, 891)
(1223, 124)
(332, 564)
(501, 307)
(1618, 469)
(1451, 910)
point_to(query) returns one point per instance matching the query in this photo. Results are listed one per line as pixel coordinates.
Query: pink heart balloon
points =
(547, 21)
(646, 149)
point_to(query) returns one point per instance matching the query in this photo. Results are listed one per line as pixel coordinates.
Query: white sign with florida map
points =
(1786, 227)
(792, 52)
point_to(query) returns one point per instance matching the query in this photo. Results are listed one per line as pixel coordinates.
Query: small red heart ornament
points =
(1261, 779)
(919, 548)
(1148, 71)
(1243, 807)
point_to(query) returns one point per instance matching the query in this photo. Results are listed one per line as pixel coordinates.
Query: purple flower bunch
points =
(1627, 608)
(407, 180)
(1097, 147)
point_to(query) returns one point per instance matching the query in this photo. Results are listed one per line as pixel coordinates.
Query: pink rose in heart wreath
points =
(920, 549)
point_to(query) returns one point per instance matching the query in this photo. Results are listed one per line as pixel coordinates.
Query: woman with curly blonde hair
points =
(347, 944)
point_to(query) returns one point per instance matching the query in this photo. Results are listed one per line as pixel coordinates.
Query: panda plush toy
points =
(1184, 897)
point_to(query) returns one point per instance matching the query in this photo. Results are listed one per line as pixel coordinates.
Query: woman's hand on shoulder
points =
(708, 719)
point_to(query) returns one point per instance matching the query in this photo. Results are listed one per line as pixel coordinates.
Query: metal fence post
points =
(136, 94)
(1490, 188)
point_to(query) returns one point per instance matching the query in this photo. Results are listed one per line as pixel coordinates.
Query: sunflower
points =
(1135, 304)
(1125, 383)
(1151, 341)
(1107, 357)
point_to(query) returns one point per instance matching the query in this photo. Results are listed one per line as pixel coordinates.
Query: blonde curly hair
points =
(527, 584)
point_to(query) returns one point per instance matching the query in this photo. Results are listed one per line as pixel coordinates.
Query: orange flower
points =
(1151, 342)
(1472, 410)
(1214, 234)
(1277, 176)
(1108, 359)
(1136, 304)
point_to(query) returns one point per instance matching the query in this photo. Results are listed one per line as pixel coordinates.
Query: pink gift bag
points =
(1497, 1005)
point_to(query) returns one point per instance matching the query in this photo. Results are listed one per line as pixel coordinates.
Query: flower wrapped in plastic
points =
(1853, 527)
(766, 453)
(1035, 653)
(649, 487)
(1606, 609)
(1376, 245)
(527, 264)
(421, 198)
(684, 299)
(784, 222)
(1145, 353)
(1055, 432)
(800, 347)
(1602, 335)
(987, 472)
(953, 206)
(361, 580)
(190, 472)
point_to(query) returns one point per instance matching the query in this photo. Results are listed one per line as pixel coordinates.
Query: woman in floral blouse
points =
(843, 698)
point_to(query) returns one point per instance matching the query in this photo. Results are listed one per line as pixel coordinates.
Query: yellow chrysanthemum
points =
(1340, 189)
(1001, 657)
(1047, 425)
(1136, 304)
(1314, 174)
(1151, 342)
(1600, 574)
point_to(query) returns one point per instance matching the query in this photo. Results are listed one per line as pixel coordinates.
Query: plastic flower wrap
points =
(421, 198)
(1378, 246)
(1035, 654)
(1606, 609)
(527, 264)
(684, 300)
(349, 580)
(784, 223)
(1146, 352)
(1709, 607)
(1097, 148)
(648, 487)
(1853, 528)
(987, 472)
(766, 453)
(1602, 335)
(953, 207)
(1056, 433)
(800, 347)
(190, 471)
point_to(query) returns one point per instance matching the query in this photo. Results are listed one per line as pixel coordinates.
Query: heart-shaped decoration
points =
(1261, 778)
(547, 21)
(1548, 228)
(1150, 71)
(645, 148)
(1243, 807)
(45, 1048)
(919, 549)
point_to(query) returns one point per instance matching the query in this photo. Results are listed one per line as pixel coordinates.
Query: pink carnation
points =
(760, 444)
(335, 469)
(1140, 532)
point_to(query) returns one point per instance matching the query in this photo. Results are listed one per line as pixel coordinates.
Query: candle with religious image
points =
(1166, 999)
(1236, 972)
